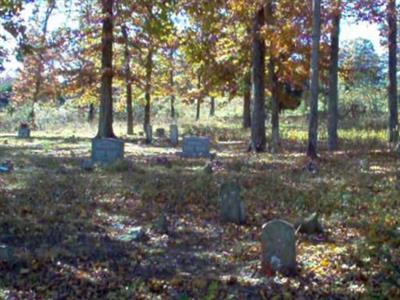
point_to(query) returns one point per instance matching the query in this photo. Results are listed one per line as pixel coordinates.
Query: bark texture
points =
(333, 97)
(313, 119)
(258, 137)
(106, 102)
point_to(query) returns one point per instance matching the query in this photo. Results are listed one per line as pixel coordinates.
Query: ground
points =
(67, 231)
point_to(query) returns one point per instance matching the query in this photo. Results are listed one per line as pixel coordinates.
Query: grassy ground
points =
(66, 227)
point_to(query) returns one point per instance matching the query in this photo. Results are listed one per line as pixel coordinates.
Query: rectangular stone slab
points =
(173, 135)
(24, 133)
(107, 150)
(149, 134)
(196, 147)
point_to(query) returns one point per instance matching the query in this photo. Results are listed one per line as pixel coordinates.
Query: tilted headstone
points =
(24, 132)
(231, 204)
(278, 247)
(194, 147)
(149, 133)
(174, 135)
(160, 132)
(107, 150)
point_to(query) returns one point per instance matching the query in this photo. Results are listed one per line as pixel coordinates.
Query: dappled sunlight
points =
(107, 219)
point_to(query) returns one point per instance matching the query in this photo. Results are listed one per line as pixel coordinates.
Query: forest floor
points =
(65, 233)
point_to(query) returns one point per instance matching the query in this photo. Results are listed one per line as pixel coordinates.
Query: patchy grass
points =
(64, 226)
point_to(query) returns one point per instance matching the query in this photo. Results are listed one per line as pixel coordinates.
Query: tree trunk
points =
(91, 113)
(313, 120)
(273, 82)
(41, 50)
(106, 101)
(198, 106)
(258, 137)
(128, 83)
(149, 70)
(173, 95)
(247, 101)
(212, 107)
(333, 97)
(275, 107)
(172, 83)
(392, 41)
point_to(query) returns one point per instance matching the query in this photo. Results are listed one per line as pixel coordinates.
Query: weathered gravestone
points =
(231, 204)
(309, 225)
(149, 133)
(24, 131)
(173, 135)
(194, 147)
(278, 248)
(107, 150)
(160, 132)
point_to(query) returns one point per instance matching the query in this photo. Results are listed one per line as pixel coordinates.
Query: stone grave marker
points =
(194, 147)
(24, 131)
(149, 133)
(160, 132)
(107, 150)
(231, 204)
(398, 149)
(309, 225)
(278, 247)
(173, 134)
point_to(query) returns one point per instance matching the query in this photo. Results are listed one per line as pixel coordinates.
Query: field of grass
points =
(65, 227)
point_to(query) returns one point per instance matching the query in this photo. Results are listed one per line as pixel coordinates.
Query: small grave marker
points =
(107, 150)
(24, 132)
(278, 247)
(194, 147)
(174, 135)
(149, 133)
(231, 204)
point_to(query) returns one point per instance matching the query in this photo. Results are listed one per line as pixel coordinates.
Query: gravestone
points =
(278, 247)
(231, 204)
(309, 225)
(107, 150)
(160, 132)
(24, 132)
(194, 147)
(173, 135)
(398, 149)
(149, 133)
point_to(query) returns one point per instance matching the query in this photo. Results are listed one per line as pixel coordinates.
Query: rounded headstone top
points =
(281, 223)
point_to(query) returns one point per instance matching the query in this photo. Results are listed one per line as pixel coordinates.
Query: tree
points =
(258, 137)
(392, 90)
(105, 129)
(313, 121)
(333, 97)
(273, 81)
(247, 100)
(128, 80)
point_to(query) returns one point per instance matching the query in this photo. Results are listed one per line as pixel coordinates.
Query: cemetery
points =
(199, 150)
